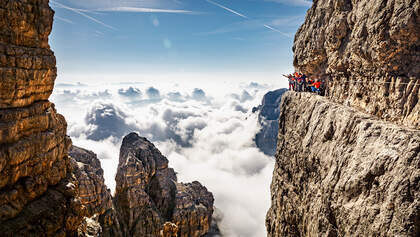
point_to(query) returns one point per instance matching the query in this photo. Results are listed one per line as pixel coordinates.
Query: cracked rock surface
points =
(39, 194)
(368, 50)
(340, 172)
(148, 195)
(50, 188)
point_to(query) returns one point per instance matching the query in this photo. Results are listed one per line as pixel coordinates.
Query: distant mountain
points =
(268, 117)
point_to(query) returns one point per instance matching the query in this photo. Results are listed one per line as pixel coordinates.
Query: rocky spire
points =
(148, 195)
(94, 195)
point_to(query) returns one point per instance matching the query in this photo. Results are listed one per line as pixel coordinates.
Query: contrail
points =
(142, 9)
(228, 9)
(80, 12)
(274, 29)
(64, 19)
(246, 17)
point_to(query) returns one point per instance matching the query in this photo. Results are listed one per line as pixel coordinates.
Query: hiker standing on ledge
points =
(304, 82)
(299, 82)
(291, 81)
(316, 86)
(309, 82)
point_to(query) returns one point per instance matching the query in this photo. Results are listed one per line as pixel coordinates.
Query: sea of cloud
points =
(205, 132)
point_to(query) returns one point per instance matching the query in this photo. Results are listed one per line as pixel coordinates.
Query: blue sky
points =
(241, 38)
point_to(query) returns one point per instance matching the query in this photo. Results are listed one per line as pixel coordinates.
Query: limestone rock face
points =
(340, 172)
(148, 195)
(352, 168)
(38, 192)
(44, 191)
(368, 51)
(93, 192)
(268, 118)
(27, 65)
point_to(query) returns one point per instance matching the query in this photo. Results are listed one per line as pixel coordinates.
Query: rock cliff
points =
(369, 53)
(348, 164)
(94, 194)
(268, 118)
(38, 192)
(340, 172)
(150, 200)
(45, 190)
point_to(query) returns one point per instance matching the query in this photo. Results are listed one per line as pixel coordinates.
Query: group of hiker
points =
(301, 83)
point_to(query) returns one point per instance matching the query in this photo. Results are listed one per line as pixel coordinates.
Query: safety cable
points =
(379, 83)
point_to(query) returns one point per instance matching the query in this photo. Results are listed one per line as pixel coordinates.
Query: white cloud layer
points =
(206, 135)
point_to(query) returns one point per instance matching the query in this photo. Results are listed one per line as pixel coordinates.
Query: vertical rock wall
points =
(38, 193)
(349, 164)
(340, 172)
(369, 53)
(27, 64)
